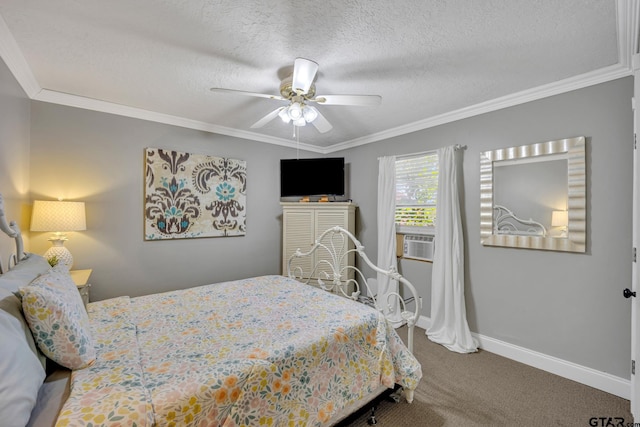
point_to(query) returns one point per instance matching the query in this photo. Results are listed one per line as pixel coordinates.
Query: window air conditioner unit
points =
(418, 247)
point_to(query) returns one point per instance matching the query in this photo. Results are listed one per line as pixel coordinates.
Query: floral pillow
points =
(58, 320)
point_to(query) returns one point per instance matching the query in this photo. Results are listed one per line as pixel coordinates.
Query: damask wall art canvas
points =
(193, 195)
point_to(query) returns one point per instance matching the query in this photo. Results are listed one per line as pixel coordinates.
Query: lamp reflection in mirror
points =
(560, 219)
(58, 217)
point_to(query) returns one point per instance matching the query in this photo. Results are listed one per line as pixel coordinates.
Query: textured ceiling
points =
(425, 58)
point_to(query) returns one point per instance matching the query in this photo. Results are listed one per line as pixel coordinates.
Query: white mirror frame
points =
(576, 190)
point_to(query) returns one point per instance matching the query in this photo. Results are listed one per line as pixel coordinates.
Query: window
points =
(416, 193)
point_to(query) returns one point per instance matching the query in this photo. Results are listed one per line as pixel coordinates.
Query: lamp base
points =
(58, 252)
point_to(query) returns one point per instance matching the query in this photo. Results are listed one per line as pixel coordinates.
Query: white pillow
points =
(58, 320)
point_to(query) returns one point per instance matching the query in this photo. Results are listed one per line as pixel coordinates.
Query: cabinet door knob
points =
(628, 293)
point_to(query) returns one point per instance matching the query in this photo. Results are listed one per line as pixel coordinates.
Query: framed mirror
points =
(534, 196)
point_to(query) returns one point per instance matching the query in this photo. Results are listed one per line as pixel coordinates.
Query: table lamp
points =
(59, 217)
(560, 219)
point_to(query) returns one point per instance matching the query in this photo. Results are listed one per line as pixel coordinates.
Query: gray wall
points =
(561, 304)
(14, 156)
(98, 158)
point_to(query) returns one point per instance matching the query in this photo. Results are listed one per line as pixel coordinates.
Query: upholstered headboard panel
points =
(22, 366)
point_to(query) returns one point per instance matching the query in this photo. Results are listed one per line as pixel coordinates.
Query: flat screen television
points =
(312, 177)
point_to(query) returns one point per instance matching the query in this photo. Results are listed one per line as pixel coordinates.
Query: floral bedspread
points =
(260, 351)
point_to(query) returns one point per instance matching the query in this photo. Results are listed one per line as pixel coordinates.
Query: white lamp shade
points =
(309, 113)
(295, 111)
(284, 115)
(559, 218)
(58, 216)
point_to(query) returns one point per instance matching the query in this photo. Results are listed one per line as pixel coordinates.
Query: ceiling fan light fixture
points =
(294, 111)
(304, 73)
(309, 113)
(284, 115)
(300, 122)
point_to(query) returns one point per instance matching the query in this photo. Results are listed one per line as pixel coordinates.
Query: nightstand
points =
(80, 278)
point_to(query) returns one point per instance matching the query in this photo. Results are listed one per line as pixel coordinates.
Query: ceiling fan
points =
(300, 90)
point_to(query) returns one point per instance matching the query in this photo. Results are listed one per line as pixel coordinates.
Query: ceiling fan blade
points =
(245, 93)
(322, 124)
(357, 100)
(304, 71)
(266, 119)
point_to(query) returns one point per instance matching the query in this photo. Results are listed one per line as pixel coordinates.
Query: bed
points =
(269, 350)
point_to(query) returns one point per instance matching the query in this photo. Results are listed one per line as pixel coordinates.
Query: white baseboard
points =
(423, 322)
(601, 380)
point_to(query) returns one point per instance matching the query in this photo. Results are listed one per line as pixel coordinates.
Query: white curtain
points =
(387, 236)
(449, 325)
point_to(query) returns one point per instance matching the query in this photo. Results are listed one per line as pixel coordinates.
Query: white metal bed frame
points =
(12, 230)
(332, 273)
(503, 223)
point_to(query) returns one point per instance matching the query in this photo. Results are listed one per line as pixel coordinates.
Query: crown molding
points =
(17, 64)
(54, 97)
(628, 32)
(602, 75)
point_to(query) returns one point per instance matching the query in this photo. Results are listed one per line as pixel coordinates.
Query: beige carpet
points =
(483, 389)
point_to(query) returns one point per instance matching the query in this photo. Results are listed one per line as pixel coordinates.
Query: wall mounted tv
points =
(312, 177)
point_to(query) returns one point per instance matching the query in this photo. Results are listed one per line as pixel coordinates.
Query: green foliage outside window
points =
(416, 190)
(416, 216)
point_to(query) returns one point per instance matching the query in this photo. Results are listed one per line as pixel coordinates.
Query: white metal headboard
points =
(12, 230)
(332, 273)
(504, 223)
